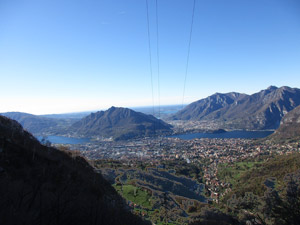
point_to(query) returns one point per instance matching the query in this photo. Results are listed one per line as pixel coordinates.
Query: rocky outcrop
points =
(262, 110)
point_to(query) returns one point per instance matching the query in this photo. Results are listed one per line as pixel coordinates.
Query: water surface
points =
(65, 140)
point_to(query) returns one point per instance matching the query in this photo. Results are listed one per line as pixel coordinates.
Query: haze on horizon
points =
(70, 56)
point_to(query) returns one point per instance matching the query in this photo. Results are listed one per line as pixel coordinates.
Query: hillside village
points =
(207, 152)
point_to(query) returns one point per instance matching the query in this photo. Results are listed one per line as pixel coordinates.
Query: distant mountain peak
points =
(262, 110)
(285, 88)
(36, 124)
(120, 123)
(118, 109)
(272, 87)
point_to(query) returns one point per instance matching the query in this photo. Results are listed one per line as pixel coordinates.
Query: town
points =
(212, 151)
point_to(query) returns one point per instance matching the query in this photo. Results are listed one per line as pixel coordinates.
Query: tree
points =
(284, 207)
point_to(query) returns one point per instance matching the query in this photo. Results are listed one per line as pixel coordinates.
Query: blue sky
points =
(74, 55)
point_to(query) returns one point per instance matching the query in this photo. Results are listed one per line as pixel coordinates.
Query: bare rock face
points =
(262, 110)
(289, 126)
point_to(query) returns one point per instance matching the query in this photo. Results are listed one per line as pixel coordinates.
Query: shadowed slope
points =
(42, 185)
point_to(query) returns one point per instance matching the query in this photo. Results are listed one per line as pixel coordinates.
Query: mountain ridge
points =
(261, 110)
(289, 128)
(39, 125)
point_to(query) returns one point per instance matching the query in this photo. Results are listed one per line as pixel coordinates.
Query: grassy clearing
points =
(232, 172)
(135, 195)
(144, 200)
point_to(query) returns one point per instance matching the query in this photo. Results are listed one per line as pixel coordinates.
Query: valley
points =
(150, 112)
(175, 171)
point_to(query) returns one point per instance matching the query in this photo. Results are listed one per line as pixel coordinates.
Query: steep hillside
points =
(289, 127)
(257, 178)
(42, 185)
(201, 109)
(262, 110)
(266, 193)
(120, 123)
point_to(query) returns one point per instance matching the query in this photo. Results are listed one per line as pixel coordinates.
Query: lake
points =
(65, 140)
(229, 134)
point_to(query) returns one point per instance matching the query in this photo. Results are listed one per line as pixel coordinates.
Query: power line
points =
(188, 55)
(157, 51)
(150, 62)
(150, 57)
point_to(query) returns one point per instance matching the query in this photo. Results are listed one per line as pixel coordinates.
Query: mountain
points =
(74, 115)
(39, 125)
(43, 185)
(201, 109)
(262, 110)
(120, 123)
(289, 126)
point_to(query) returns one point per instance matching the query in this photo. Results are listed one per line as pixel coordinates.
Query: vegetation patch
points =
(252, 176)
(231, 173)
(135, 195)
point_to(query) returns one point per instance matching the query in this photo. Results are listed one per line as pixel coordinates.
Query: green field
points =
(144, 200)
(232, 172)
(135, 195)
